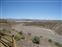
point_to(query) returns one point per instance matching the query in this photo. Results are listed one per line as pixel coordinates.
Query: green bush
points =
(58, 44)
(3, 29)
(36, 40)
(21, 33)
(23, 37)
(50, 40)
(17, 37)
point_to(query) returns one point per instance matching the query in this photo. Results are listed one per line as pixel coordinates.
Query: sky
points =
(31, 9)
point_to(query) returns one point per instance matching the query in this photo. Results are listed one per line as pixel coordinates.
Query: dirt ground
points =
(37, 31)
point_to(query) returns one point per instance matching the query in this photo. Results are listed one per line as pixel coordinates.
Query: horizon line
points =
(31, 18)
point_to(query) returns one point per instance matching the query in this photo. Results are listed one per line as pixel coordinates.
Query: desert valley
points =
(30, 33)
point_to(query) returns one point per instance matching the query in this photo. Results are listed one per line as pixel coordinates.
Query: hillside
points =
(48, 33)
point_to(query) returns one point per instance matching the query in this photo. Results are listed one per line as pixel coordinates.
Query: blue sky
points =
(31, 9)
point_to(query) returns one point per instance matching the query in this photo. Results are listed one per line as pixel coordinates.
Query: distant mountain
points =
(25, 20)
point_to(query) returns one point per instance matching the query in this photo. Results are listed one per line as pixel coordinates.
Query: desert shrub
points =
(36, 40)
(49, 40)
(41, 36)
(21, 33)
(0, 30)
(13, 29)
(23, 37)
(9, 31)
(3, 29)
(58, 44)
(17, 37)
